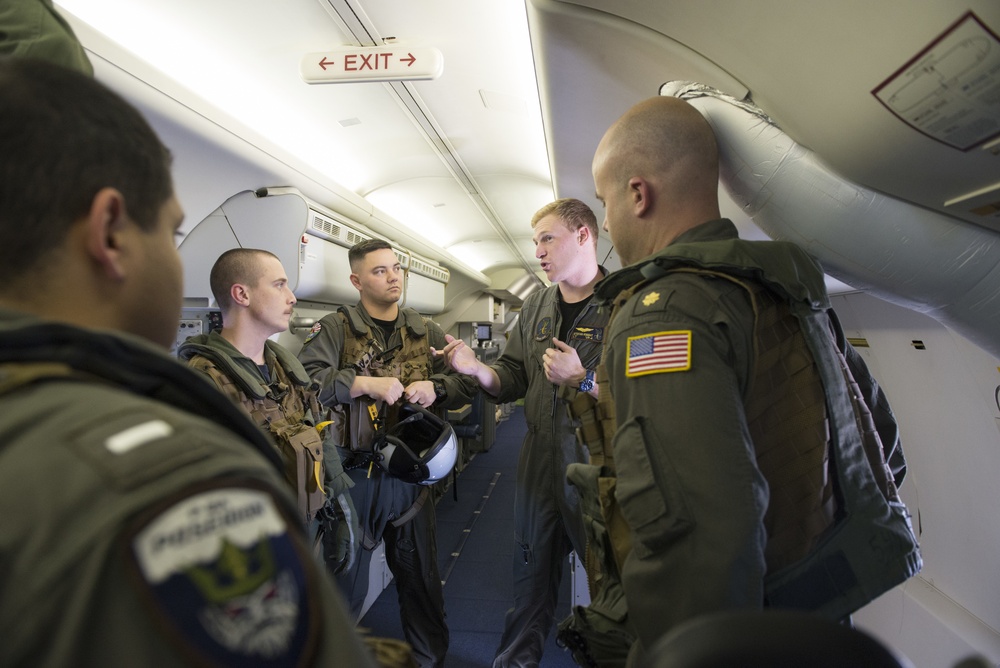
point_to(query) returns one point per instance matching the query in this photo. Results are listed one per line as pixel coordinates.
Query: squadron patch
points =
(544, 329)
(661, 352)
(587, 334)
(313, 332)
(221, 569)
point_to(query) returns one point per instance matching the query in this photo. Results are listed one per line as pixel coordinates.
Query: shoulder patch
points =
(661, 352)
(222, 571)
(313, 332)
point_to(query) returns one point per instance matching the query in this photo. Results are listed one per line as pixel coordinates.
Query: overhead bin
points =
(311, 242)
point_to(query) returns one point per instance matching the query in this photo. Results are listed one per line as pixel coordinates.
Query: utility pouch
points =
(364, 421)
(302, 451)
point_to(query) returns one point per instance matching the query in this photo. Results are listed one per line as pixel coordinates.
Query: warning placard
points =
(950, 91)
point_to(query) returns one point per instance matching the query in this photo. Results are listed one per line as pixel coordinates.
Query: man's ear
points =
(584, 237)
(107, 222)
(641, 194)
(239, 294)
(356, 282)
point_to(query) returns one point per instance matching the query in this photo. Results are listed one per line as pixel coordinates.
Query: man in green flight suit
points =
(742, 475)
(551, 357)
(251, 289)
(145, 520)
(372, 357)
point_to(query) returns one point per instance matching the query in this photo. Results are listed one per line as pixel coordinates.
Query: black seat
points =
(771, 639)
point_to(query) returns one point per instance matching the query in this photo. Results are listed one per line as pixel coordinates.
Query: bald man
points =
(742, 478)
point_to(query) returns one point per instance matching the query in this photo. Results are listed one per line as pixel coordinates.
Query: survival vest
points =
(354, 425)
(856, 508)
(287, 409)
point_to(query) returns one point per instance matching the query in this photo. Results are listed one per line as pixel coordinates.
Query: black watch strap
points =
(440, 391)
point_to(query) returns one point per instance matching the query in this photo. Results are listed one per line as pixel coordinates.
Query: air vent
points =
(324, 227)
(354, 238)
(403, 257)
(429, 270)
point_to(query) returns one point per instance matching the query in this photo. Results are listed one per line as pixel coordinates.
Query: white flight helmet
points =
(420, 448)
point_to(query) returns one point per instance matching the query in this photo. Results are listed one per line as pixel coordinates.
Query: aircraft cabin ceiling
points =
(462, 161)
(459, 160)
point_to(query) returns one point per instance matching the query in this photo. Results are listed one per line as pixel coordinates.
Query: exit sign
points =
(372, 63)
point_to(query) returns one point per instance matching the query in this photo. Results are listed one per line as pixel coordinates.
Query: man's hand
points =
(387, 389)
(420, 392)
(460, 357)
(562, 364)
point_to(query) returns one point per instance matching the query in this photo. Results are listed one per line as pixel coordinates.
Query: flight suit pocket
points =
(648, 492)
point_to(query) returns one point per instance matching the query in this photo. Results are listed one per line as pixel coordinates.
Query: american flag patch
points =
(658, 353)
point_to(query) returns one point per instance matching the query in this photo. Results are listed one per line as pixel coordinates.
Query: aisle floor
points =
(475, 548)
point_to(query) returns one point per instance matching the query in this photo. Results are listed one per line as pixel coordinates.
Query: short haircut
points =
(64, 137)
(571, 211)
(238, 265)
(362, 248)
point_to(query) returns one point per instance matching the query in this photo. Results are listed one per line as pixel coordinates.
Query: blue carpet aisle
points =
(475, 547)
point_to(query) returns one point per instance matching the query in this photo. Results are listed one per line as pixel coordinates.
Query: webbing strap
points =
(412, 511)
(368, 541)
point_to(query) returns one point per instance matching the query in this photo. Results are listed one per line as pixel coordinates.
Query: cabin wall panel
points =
(941, 388)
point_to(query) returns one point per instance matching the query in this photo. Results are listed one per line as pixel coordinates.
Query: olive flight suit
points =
(548, 524)
(145, 520)
(385, 505)
(727, 502)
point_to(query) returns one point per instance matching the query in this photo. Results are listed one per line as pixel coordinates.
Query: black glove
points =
(340, 533)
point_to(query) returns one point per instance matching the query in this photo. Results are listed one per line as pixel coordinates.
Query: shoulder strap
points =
(233, 391)
(252, 387)
(416, 323)
(352, 319)
(289, 363)
(357, 334)
(14, 375)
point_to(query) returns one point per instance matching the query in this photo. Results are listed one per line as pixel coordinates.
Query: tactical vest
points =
(818, 551)
(355, 424)
(287, 410)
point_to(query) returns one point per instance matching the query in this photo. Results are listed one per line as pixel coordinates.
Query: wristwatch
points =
(440, 391)
(587, 384)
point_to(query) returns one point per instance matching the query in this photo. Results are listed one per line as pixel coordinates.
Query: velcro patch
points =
(313, 332)
(543, 330)
(221, 568)
(661, 352)
(595, 334)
